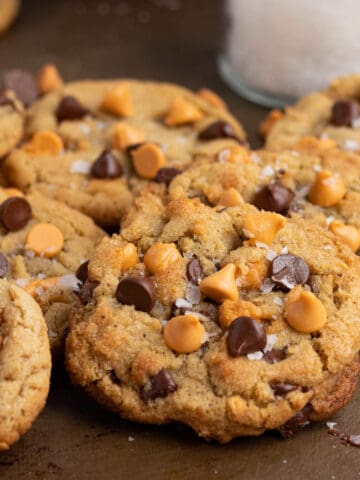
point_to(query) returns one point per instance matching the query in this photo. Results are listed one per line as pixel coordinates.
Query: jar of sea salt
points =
(277, 50)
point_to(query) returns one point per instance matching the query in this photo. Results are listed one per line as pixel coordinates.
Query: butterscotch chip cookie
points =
(233, 321)
(24, 363)
(116, 137)
(42, 245)
(319, 185)
(332, 115)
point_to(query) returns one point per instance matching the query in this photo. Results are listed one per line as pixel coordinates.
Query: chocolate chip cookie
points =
(333, 114)
(42, 244)
(109, 138)
(24, 362)
(233, 321)
(320, 183)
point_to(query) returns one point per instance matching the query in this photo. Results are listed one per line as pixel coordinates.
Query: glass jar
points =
(275, 51)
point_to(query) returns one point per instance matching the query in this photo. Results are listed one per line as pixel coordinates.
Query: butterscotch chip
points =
(304, 311)
(327, 190)
(49, 79)
(126, 135)
(45, 142)
(40, 285)
(184, 334)
(263, 227)
(12, 192)
(213, 98)
(267, 124)
(147, 160)
(230, 198)
(221, 285)
(234, 154)
(348, 234)
(118, 101)
(313, 144)
(230, 310)
(182, 112)
(160, 256)
(45, 239)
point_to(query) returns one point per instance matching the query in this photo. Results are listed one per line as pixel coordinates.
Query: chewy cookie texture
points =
(333, 114)
(94, 144)
(231, 320)
(42, 244)
(316, 181)
(24, 362)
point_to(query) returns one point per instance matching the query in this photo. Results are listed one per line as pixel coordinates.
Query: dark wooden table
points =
(174, 40)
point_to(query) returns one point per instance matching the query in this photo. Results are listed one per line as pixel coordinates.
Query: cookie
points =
(24, 363)
(42, 244)
(114, 137)
(11, 122)
(8, 12)
(233, 321)
(319, 184)
(333, 114)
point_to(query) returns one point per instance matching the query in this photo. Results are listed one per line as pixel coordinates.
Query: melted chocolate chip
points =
(70, 108)
(166, 174)
(297, 422)
(106, 166)
(194, 271)
(4, 265)
(246, 335)
(86, 291)
(274, 356)
(161, 385)
(15, 213)
(288, 270)
(82, 272)
(136, 291)
(353, 440)
(344, 112)
(281, 389)
(218, 129)
(274, 197)
(22, 83)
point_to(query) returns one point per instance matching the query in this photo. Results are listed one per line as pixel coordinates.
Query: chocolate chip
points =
(4, 265)
(70, 108)
(194, 271)
(161, 385)
(136, 291)
(246, 335)
(22, 83)
(297, 422)
(353, 440)
(274, 356)
(106, 166)
(280, 389)
(15, 213)
(166, 174)
(274, 197)
(218, 129)
(86, 291)
(288, 270)
(344, 112)
(82, 272)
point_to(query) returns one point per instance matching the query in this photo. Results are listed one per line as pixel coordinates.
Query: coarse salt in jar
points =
(277, 50)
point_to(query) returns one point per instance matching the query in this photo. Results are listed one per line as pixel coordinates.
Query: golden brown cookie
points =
(24, 363)
(233, 321)
(116, 136)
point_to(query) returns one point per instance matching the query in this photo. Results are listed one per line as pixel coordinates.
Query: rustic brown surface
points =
(73, 439)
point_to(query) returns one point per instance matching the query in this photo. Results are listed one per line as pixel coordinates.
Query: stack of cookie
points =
(226, 297)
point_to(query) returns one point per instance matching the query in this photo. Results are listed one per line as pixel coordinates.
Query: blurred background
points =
(169, 40)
